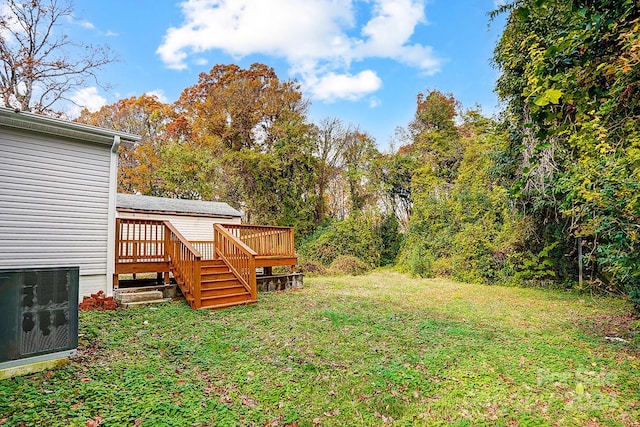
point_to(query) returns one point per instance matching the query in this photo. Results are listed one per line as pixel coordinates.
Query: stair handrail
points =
(239, 257)
(186, 261)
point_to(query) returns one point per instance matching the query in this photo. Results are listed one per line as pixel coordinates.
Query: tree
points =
(40, 65)
(358, 154)
(329, 143)
(394, 172)
(570, 75)
(278, 186)
(243, 108)
(157, 124)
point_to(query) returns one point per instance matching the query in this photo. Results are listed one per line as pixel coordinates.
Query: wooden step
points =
(227, 300)
(212, 263)
(218, 283)
(231, 304)
(219, 288)
(216, 276)
(223, 290)
(214, 269)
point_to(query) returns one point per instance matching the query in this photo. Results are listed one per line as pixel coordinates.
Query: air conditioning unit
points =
(38, 314)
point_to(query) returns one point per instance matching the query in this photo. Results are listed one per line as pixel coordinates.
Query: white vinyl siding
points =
(54, 204)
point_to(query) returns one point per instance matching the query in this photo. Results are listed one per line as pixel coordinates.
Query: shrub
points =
(347, 264)
(310, 267)
(372, 238)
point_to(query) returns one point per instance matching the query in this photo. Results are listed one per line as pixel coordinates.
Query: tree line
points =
(493, 200)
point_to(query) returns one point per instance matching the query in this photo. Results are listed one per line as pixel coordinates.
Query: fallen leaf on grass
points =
(75, 406)
(385, 419)
(138, 422)
(94, 422)
(208, 389)
(332, 413)
(247, 401)
(274, 422)
(611, 391)
(505, 379)
(85, 380)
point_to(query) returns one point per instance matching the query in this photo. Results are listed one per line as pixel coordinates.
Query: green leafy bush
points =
(372, 238)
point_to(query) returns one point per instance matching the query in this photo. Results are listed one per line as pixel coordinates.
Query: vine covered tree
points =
(39, 64)
(570, 74)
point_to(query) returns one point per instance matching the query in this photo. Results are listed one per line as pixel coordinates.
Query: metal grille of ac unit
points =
(38, 311)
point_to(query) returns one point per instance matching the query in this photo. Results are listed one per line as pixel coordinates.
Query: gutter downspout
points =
(111, 225)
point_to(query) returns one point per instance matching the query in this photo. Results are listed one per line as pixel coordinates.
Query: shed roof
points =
(150, 204)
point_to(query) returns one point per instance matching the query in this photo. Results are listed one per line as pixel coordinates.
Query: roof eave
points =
(63, 128)
(176, 213)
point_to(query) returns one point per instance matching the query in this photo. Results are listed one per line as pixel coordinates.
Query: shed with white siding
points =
(194, 219)
(57, 196)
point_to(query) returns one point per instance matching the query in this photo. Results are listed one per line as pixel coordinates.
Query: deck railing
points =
(186, 261)
(205, 247)
(139, 240)
(264, 240)
(153, 241)
(145, 245)
(240, 258)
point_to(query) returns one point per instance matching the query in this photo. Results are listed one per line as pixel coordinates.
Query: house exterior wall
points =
(54, 205)
(191, 227)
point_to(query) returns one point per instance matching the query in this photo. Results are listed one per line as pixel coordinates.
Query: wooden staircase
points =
(146, 245)
(219, 286)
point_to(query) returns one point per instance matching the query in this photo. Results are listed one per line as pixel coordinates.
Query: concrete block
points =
(129, 297)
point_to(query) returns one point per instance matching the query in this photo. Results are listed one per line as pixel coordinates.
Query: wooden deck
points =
(211, 273)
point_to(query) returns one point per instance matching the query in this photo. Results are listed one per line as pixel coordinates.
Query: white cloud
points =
(85, 24)
(374, 102)
(10, 25)
(86, 98)
(333, 86)
(158, 93)
(320, 39)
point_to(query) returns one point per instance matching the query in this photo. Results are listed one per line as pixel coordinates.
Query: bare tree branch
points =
(40, 65)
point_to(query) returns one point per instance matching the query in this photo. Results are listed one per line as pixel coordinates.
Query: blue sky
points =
(363, 61)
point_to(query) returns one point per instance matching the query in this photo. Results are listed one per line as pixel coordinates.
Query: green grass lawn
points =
(383, 349)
